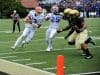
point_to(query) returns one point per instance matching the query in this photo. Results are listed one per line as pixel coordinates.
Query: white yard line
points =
(43, 50)
(9, 57)
(15, 40)
(35, 63)
(94, 37)
(52, 68)
(89, 73)
(5, 31)
(21, 60)
(45, 27)
(8, 31)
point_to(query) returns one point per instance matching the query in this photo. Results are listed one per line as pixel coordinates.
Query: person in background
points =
(15, 18)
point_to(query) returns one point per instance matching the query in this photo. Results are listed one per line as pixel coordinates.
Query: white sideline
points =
(52, 68)
(42, 51)
(84, 73)
(19, 69)
(94, 37)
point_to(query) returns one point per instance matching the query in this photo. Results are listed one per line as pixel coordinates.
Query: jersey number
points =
(55, 19)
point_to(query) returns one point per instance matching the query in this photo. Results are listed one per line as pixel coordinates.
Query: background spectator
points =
(15, 18)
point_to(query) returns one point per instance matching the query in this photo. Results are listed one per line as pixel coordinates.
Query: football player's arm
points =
(64, 17)
(69, 33)
(27, 19)
(47, 17)
(81, 29)
(84, 26)
(39, 25)
(64, 29)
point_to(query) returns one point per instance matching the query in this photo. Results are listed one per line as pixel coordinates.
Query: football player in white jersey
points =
(54, 18)
(32, 21)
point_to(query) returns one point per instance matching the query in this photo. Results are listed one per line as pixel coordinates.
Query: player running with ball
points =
(32, 21)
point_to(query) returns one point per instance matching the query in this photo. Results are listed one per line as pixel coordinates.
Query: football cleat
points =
(13, 47)
(49, 49)
(88, 56)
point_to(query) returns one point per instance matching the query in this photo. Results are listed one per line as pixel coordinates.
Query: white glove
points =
(61, 14)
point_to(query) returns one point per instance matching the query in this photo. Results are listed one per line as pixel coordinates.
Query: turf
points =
(35, 51)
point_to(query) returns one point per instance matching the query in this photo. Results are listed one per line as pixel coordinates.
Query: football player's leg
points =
(47, 36)
(20, 39)
(52, 35)
(71, 38)
(29, 36)
(80, 43)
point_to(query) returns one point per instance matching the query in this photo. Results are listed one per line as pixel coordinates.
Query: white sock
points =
(50, 43)
(19, 40)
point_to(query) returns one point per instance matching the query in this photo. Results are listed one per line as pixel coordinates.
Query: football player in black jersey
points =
(69, 27)
(80, 34)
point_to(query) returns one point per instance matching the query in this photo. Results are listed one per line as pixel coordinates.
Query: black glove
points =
(78, 30)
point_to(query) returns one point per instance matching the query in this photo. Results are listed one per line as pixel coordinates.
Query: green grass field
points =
(35, 55)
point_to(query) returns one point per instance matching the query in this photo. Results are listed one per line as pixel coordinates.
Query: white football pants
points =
(27, 35)
(50, 34)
